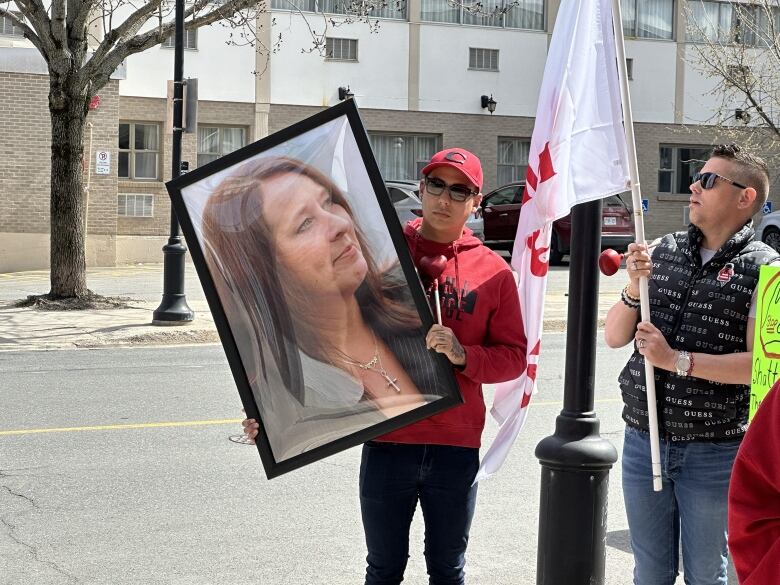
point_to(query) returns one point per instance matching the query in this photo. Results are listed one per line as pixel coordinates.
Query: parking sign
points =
(767, 207)
(102, 162)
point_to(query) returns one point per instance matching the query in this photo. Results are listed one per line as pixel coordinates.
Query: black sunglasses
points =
(458, 193)
(707, 180)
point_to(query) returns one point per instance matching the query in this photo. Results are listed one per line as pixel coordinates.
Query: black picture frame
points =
(321, 137)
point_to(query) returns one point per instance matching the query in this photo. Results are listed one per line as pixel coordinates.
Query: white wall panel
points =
(699, 102)
(379, 79)
(652, 89)
(224, 72)
(447, 85)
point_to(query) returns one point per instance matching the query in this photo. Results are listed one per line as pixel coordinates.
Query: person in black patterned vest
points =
(700, 338)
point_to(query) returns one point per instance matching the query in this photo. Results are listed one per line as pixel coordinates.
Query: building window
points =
(724, 22)
(190, 40)
(341, 49)
(767, 25)
(295, 5)
(390, 9)
(139, 150)
(7, 26)
(401, 157)
(135, 205)
(512, 159)
(677, 166)
(483, 59)
(526, 14)
(216, 141)
(648, 19)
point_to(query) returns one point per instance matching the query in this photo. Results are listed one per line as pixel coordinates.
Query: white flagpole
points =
(639, 226)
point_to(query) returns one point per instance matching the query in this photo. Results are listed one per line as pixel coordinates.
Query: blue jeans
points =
(690, 509)
(393, 478)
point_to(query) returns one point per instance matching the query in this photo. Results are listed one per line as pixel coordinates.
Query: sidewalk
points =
(24, 329)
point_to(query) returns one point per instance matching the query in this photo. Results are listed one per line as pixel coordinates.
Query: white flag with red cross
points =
(578, 154)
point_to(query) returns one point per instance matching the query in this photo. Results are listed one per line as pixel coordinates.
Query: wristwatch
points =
(684, 363)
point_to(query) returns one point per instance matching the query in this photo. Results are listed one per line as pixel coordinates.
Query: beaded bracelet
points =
(629, 296)
(628, 300)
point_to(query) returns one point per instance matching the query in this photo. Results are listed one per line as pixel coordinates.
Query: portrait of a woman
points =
(332, 342)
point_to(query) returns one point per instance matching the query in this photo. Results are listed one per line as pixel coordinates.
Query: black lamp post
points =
(173, 309)
(575, 459)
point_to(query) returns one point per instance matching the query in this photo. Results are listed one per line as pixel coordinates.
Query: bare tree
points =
(80, 62)
(737, 45)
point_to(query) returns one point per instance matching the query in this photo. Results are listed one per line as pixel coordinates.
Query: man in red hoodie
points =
(434, 461)
(754, 498)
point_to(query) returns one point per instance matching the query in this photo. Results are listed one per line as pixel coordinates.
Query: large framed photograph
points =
(313, 290)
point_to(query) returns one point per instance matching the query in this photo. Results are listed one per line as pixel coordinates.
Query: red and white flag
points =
(578, 153)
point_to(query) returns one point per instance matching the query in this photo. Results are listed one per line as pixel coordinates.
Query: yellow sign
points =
(766, 340)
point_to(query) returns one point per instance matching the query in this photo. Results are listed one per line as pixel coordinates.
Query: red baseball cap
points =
(458, 158)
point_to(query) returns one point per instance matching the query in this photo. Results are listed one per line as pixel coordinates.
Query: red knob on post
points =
(609, 262)
(433, 266)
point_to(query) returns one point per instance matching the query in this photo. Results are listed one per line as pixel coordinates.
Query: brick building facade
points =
(129, 211)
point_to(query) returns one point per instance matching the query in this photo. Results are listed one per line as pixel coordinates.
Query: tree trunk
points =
(68, 240)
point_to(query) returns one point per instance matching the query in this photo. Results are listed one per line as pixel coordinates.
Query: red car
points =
(501, 212)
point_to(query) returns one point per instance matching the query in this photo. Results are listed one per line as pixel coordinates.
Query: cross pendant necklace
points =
(391, 382)
(375, 365)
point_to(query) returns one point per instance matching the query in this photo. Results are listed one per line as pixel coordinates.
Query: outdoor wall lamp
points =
(345, 93)
(489, 103)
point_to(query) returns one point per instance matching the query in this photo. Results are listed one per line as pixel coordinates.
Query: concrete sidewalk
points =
(25, 329)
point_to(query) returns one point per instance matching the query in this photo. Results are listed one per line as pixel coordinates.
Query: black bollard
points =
(575, 460)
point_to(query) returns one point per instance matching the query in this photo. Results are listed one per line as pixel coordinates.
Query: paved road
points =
(182, 504)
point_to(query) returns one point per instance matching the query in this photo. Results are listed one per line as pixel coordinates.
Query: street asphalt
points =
(116, 468)
(115, 465)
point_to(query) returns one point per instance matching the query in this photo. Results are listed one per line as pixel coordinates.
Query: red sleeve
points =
(754, 498)
(502, 355)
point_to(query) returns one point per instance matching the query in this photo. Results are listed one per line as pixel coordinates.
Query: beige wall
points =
(25, 168)
(101, 214)
(139, 249)
(25, 153)
(24, 165)
(20, 252)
